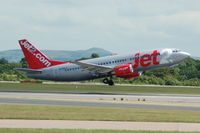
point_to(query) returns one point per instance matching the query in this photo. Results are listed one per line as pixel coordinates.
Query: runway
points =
(110, 125)
(147, 101)
(150, 101)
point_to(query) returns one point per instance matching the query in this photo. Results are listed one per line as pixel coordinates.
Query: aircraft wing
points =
(94, 68)
(31, 71)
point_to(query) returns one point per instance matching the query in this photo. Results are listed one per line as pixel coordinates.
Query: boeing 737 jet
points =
(124, 66)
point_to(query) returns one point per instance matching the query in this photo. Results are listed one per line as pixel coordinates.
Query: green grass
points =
(6, 130)
(97, 88)
(96, 113)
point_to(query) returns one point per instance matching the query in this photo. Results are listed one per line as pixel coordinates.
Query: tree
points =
(23, 63)
(3, 61)
(94, 55)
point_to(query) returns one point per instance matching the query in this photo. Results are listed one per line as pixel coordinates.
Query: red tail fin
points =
(35, 58)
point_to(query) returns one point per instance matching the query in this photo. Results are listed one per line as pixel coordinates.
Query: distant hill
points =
(196, 58)
(60, 55)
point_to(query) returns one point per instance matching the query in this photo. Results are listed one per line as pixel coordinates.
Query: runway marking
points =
(111, 125)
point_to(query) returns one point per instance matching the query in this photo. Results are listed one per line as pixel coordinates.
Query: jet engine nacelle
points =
(126, 71)
(133, 75)
(123, 70)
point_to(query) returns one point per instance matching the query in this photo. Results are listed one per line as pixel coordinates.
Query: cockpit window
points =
(175, 50)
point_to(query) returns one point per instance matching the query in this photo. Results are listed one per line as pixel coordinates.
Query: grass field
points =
(97, 88)
(96, 113)
(78, 131)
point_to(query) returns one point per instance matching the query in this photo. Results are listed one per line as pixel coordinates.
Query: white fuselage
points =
(141, 62)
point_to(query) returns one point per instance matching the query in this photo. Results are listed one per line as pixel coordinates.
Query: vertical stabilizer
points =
(35, 58)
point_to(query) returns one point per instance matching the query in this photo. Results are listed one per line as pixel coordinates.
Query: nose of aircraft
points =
(178, 56)
(185, 55)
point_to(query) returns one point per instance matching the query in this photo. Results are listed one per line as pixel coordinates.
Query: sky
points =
(120, 26)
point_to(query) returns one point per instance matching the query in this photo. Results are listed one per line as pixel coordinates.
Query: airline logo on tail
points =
(27, 47)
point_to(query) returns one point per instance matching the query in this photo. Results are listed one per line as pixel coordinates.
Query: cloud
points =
(187, 20)
(117, 25)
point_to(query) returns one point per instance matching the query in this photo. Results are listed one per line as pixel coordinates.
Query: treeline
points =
(187, 73)
(8, 72)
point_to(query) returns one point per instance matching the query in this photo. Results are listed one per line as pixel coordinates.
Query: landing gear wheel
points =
(110, 83)
(107, 81)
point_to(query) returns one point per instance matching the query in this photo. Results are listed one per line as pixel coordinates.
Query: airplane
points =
(124, 66)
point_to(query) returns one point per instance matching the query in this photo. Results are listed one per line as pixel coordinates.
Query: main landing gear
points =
(108, 81)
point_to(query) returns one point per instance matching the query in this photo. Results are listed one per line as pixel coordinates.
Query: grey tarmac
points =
(155, 101)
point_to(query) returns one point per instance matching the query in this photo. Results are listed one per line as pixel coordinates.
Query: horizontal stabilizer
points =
(30, 71)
